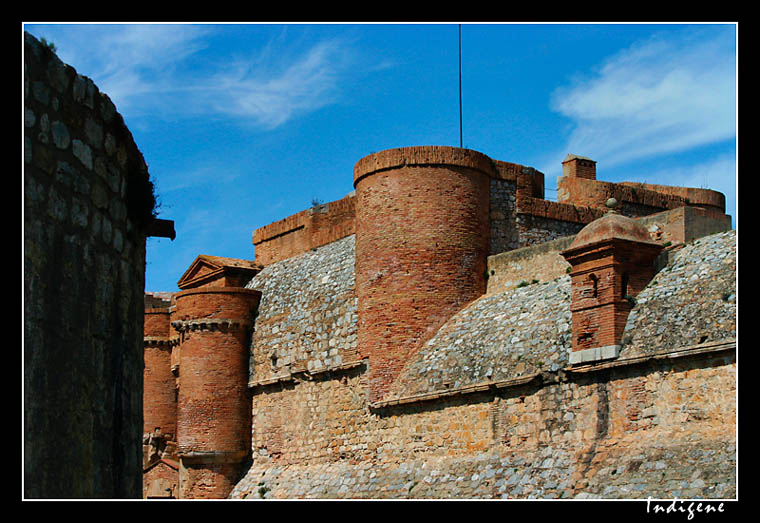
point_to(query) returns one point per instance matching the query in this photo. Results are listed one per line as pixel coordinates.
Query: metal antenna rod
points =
(460, 85)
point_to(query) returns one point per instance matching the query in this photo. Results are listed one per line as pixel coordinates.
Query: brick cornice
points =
(692, 351)
(159, 341)
(210, 324)
(423, 155)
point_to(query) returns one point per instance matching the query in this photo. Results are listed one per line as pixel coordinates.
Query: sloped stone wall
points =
(691, 301)
(307, 316)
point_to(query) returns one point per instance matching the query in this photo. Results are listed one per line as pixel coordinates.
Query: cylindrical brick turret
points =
(159, 394)
(214, 411)
(422, 240)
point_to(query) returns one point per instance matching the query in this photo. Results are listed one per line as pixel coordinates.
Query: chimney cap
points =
(612, 225)
(571, 157)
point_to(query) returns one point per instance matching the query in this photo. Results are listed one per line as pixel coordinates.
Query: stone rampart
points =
(88, 204)
(490, 408)
(631, 433)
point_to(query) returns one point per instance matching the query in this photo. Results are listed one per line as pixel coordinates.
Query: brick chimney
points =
(612, 260)
(576, 166)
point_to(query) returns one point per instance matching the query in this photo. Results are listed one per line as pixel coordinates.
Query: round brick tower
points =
(159, 394)
(422, 240)
(214, 407)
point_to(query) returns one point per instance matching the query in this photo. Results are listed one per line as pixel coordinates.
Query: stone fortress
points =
(444, 331)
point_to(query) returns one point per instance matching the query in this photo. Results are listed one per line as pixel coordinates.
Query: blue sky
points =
(244, 124)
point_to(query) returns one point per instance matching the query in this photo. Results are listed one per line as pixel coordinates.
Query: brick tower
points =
(422, 239)
(214, 320)
(612, 260)
(160, 476)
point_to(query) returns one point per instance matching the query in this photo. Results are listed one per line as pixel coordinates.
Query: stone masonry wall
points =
(504, 234)
(691, 301)
(542, 262)
(632, 433)
(523, 266)
(87, 203)
(307, 315)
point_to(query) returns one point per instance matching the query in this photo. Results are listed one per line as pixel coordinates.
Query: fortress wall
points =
(307, 319)
(88, 202)
(691, 301)
(632, 432)
(705, 198)
(636, 199)
(542, 261)
(684, 224)
(504, 234)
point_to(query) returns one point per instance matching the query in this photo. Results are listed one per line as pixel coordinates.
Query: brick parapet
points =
(688, 195)
(560, 211)
(641, 198)
(216, 303)
(305, 230)
(428, 155)
(156, 322)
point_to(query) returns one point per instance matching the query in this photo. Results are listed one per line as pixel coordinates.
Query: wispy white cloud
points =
(126, 61)
(668, 94)
(273, 96)
(157, 70)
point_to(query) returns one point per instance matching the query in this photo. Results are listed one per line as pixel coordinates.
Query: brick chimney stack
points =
(576, 166)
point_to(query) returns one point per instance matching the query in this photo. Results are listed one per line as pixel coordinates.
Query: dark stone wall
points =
(88, 200)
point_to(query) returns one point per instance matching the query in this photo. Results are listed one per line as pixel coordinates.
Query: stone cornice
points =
(690, 351)
(305, 375)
